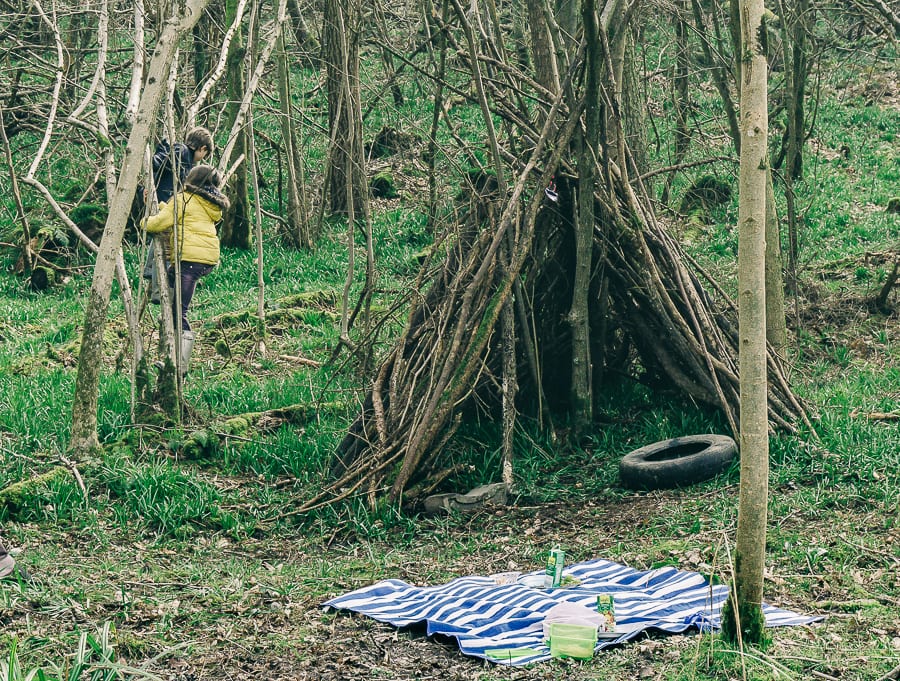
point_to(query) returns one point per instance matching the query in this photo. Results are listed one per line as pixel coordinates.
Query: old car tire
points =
(677, 462)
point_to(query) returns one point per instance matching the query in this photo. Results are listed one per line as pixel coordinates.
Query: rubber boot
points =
(154, 287)
(187, 347)
(10, 569)
(7, 563)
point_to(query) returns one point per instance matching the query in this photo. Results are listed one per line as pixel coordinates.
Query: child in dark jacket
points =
(168, 162)
(179, 159)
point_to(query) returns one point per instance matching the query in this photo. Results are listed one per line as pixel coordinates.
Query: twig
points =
(73, 469)
(822, 675)
(891, 675)
(685, 166)
(301, 360)
(869, 549)
(879, 415)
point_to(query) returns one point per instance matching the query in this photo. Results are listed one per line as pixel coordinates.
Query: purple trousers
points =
(190, 275)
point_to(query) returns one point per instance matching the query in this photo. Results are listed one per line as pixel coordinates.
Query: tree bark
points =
(346, 159)
(680, 92)
(17, 196)
(546, 70)
(796, 68)
(587, 143)
(304, 37)
(743, 619)
(83, 439)
(297, 221)
(137, 67)
(235, 230)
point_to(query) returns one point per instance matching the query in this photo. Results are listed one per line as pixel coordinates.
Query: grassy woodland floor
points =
(196, 568)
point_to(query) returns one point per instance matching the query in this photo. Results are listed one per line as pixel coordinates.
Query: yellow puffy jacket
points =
(197, 216)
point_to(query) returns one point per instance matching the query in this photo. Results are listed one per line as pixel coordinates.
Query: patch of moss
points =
(222, 348)
(752, 623)
(18, 494)
(704, 195)
(237, 425)
(382, 186)
(89, 217)
(199, 445)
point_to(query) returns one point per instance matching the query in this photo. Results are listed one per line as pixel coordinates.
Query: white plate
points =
(609, 634)
(534, 581)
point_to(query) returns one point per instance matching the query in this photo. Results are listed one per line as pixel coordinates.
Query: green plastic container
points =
(572, 640)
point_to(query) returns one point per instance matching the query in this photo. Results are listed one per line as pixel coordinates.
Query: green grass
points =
(201, 564)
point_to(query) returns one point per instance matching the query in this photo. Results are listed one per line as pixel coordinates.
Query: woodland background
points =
(373, 149)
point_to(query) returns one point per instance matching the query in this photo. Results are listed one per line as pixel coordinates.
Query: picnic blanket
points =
(503, 623)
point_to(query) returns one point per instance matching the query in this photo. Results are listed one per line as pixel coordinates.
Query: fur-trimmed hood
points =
(211, 194)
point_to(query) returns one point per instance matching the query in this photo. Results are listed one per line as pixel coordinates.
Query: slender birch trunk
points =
(743, 619)
(257, 206)
(137, 68)
(83, 439)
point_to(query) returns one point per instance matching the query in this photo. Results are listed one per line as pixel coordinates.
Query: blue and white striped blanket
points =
(494, 622)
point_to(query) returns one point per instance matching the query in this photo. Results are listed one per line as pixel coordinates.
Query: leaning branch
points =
(219, 69)
(54, 98)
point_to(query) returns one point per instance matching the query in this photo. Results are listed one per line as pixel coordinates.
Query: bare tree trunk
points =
(260, 251)
(341, 50)
(137, 68)
(297, 219)
(205, 35)
(543, 54)
(235, 230)
(587, 142)
(346, 184)
(17, 196)
(742, 619)
(83, 438)
(304, 37)
(131, 314)
(510, 382)
(734, 28)
(441, 45)
(568, 18)
(681, 93)
(796, 72)
(613, 32)
(776, 322)
(720, 70)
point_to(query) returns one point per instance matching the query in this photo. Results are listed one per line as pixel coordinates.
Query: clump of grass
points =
(94, 659)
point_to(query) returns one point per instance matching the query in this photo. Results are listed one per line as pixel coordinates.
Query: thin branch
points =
(219, 70)
(54, 101)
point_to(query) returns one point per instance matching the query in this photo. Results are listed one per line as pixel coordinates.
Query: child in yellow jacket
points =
(198, 207)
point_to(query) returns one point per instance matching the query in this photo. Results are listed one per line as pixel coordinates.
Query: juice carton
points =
(555, 561)
(606, 608)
